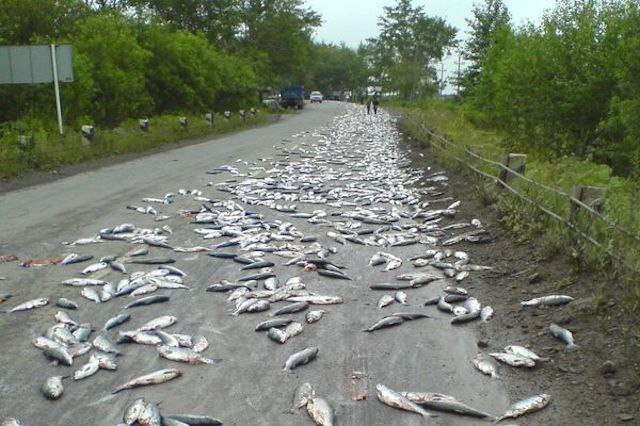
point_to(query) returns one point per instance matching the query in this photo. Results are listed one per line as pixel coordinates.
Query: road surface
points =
(247, 385)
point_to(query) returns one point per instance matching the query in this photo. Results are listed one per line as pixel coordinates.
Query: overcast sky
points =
(353, 21)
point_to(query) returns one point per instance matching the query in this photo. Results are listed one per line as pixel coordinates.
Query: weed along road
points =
(316, 230)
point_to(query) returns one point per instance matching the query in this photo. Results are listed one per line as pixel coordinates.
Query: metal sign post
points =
(56, 87)
(38, 64)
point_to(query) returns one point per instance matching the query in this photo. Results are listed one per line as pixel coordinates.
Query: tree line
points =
(134, 58)
(567, 86)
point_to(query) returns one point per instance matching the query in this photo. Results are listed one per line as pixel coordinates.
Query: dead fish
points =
(385, 300)
(150, 416)
(91, 294)
(273, 323)
(513, 359)
(257, 265)
(64, 318)
(152, 261)
(30, 304)
(160, 322)
(291, 308)
(89, 369)
(300, 358)
(447, 403)
(401, 297)
(52, 388)
(94, 268)
(156, 377)
(316, 299)
(551, 300)
(293, 329)
(116, 321)
(193, 419)
(79, 349)
(394, 399)
(313, 316)
(66, 303)
(60, 354)
(409, 316)
(564, 335)
(247, 306)
(385, 322)
(271, 283)
(320, 411)
(524, 352)
(258, 277)
(106, 361)
(486, 313)
(377, 259)
(75, 258)
(183, 355)
(103, 343)
(456, 290)
(11, 421)
(333, 274)
(465, 317)
(485, 366)
(133, 411)
(118, 266)
(390, 286)
(303, 395)
(147, 301)
(82, 282)
(277, 335)
(139, 337)
(526, 406)
(200, 343)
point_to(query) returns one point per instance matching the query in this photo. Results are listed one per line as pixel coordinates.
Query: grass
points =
(46, 149)
(611, 278)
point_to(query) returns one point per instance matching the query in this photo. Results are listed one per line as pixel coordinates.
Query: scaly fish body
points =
(394, 399)
(300, 358)
(30, 304)
(526, 406)
(160, 376)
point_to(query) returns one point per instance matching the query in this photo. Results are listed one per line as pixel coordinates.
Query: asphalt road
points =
(247, 386)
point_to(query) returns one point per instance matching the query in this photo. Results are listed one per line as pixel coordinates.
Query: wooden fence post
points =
(515, 162)
(592, 196)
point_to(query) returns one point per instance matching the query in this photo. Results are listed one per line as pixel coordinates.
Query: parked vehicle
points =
(292, 96)
(315, 96)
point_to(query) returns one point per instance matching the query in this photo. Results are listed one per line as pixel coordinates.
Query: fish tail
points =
(572, 346)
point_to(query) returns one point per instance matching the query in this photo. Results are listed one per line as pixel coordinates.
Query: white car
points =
(315, 97)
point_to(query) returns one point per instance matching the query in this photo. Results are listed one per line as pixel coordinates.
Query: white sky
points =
(353, 21)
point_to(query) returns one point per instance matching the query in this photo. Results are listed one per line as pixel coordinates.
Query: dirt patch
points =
(596, 384)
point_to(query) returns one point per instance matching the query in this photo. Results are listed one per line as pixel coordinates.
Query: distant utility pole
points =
(441, 77)
(458, 79)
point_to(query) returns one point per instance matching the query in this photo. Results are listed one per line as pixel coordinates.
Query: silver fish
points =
(183, 355)
(52, 388)
(104, 344)
(385, 300)
(300, 358)
(83, 332)
(160, 322)
(526, 406)
(82, 282)
(159, 376)
(64, 318)
(133, 411)
(316, 299)
(95, 267)
(320, 411)
(116, 321)
(293, 329)
(30, 304)
(277, 335)
(513, 360)
(91, 294)
(200, 343)
(150, 415)
(60, 354)
(66, 303)
(551, 300)
(563, 334)
(106, 361)
(313, 316)
(485, 366)
(291, 308)
(440, 402)
(395, 400)
(524, 352)
(385, 322)
(401, 297)
(89, 369)
(303, 395)
(486, 313)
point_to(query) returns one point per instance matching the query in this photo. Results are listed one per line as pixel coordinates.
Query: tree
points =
(488, 19)
(408, 45)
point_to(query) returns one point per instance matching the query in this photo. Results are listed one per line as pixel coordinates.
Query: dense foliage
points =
(134, 58)
(566, 87)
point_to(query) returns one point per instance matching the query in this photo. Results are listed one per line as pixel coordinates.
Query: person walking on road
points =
(376, 102)
(369, 106)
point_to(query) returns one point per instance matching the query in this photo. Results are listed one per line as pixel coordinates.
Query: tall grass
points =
(46, 149)
(611, 279)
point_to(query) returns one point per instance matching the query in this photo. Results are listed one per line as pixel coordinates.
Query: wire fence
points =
(443, 144)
